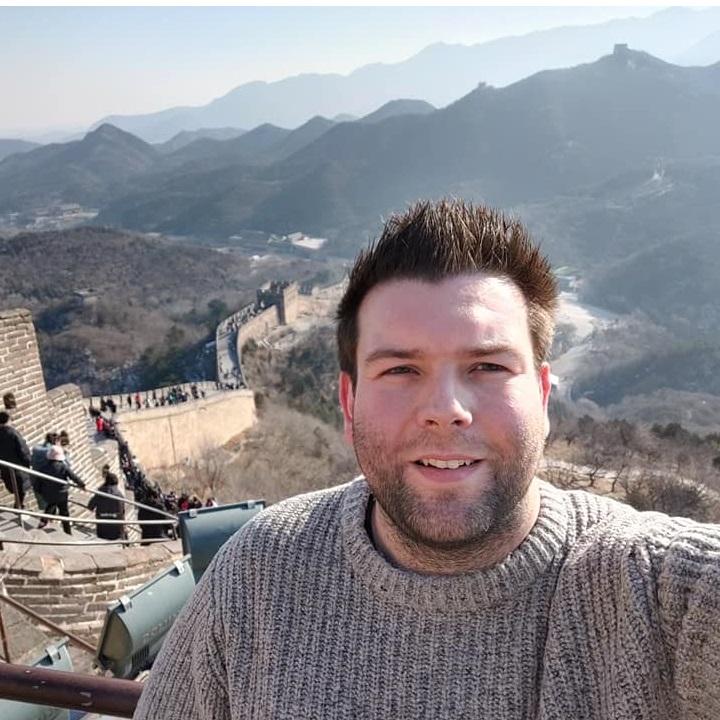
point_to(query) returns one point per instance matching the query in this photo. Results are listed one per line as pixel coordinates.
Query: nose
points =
(444, 405)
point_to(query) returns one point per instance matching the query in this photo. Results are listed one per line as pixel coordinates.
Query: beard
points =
(450, 519)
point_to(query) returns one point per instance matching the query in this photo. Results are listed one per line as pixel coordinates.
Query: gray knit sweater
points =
(601, 612)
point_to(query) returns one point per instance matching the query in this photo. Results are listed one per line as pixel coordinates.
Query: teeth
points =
(445, 464)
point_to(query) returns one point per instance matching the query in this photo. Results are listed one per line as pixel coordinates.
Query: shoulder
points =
(293, 531)
(298, 522)
(634, 544)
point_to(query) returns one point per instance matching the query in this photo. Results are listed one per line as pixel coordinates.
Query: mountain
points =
(146, 290)
(246, 148)
(544, 136)
(10, 147)
(704, 52)
(439, 74)
(185, 137)
(399, 107)
(82, 171)
(300, 137)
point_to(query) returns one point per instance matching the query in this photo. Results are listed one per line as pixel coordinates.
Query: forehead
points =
(453, 313)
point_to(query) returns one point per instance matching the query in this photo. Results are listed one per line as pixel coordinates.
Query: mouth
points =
(446, 469)
(446, 464)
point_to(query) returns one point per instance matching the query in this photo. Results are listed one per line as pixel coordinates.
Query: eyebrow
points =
(414, 354)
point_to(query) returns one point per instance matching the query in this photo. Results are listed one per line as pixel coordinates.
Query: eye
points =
(489, 367)
(399, 370)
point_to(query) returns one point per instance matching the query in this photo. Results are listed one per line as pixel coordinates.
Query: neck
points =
(485, 553)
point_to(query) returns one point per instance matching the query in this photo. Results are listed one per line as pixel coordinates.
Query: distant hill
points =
(185, 137)
(545, 136)
(399, 107)
(81, 171)
(439, 74)
(307, 133)
(557, 133)
(704, 52)
(246, 148)
(145, 289)
(10, 147)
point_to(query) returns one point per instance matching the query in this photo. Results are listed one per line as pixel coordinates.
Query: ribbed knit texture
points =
(602, 612)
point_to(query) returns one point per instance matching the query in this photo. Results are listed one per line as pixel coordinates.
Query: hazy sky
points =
(68, 67)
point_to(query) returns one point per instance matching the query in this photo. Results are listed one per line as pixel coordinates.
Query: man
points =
(39, 461)
(449, 582)
(14, 449)
(109, 508)
(152, 497)
(55, 493)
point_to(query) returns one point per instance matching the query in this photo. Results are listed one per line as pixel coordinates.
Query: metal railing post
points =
(6, 646)
(16, 493)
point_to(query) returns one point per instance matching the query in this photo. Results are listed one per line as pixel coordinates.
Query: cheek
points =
(383, 408)
(515, 412)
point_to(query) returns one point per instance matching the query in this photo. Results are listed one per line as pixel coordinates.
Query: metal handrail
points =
(75, 691)
(74, 639)
(83, 521)
(45, 476)
(86, 543)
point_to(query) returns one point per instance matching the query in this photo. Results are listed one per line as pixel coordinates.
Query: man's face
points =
(449, 415)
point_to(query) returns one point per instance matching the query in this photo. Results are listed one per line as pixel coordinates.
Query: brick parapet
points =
(40, 411)
(73, 587)
(258, 327)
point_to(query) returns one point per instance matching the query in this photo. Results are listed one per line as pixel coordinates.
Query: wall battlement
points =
(38, 410)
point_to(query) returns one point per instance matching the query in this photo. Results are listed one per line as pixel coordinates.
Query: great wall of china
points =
(73, 585)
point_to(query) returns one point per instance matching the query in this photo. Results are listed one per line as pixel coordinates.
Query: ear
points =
(346, 395)
(545, 379)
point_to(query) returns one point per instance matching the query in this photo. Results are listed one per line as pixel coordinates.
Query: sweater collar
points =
(468, 592)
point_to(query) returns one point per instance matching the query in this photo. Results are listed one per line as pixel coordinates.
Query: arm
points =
(23, 452)
(70, 474)
(689, 597)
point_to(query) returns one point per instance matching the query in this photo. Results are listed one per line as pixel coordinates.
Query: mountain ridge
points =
(439, 74)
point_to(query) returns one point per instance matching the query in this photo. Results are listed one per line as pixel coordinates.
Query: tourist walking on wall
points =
(56, 494)
(64, 442)
(154, 499)
(39, 461)
(109, 508)
(14, 449)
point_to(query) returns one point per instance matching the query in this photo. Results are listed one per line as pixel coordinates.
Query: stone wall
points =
(258, 327)
(39, 411)
(290, 304)
(120, 399)
(73, 586)
(171, 435)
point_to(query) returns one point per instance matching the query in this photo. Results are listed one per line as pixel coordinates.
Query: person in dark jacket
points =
(56, 494)
(38, 461)
(153, 498)
(109, 508)
(14, 449)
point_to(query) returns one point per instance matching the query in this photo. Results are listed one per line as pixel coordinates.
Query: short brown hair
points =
(432, 241)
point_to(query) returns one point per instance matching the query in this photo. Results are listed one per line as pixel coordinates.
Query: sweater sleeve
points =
(689, 599)
(188, 680)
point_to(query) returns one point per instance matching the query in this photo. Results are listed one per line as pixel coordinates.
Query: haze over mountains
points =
(439, 74)
(547, 135)
(10, 147)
